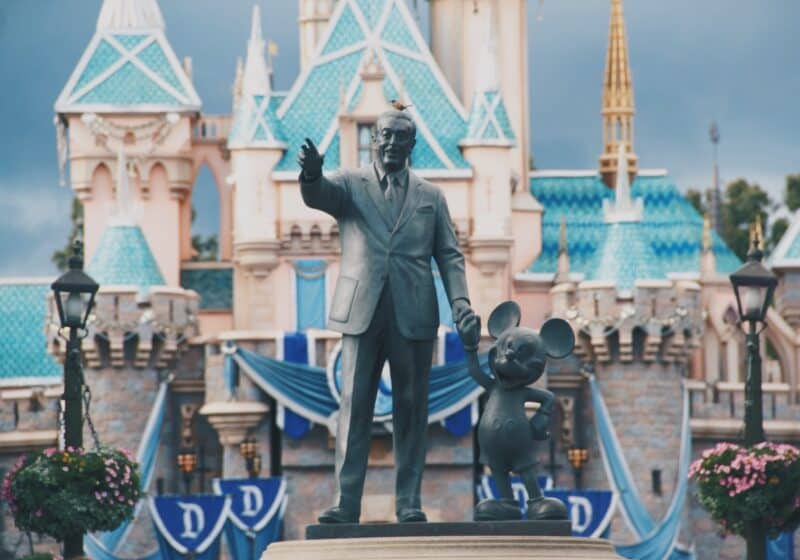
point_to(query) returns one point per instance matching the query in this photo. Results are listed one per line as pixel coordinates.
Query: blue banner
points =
(256, 514)
(189, 525)
(591, 511)
(781, 547)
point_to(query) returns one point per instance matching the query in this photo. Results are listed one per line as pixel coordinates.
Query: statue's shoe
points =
(547, 509)
(338, 514)
(411, 515)
(498, 510)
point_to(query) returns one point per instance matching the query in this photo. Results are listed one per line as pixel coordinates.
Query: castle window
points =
(366, 150)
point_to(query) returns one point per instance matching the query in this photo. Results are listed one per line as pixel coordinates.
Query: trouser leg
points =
(410, 364)
(362, 361)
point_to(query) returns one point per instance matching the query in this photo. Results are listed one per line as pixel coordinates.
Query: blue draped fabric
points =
(462, 422)
(104, 545)
(295, 350)
(656, 541)
(230, 375)
(256, 516)
(310, 289)
(305, 390)
(445, 311)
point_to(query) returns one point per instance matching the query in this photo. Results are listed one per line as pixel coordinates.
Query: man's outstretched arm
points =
(328, 195)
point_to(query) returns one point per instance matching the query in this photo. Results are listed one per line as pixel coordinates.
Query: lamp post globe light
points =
(753, 285)
(74, 293)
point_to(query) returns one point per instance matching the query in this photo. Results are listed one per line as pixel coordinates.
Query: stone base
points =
(485, 547)
(468, 528)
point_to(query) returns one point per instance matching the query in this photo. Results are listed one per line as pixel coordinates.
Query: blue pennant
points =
(189, 524)
(591, 511)
(256, 515)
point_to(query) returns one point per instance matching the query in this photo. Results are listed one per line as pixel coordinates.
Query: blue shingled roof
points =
(23, 347)
(128, 72)
(312, 106)
(488, 119)
(669, 239)
(255, 124)
(123, 257)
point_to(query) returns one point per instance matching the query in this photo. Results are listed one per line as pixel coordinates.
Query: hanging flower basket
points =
(62, 493)
(738, 484)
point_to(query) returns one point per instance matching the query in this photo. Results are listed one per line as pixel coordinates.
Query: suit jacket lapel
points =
(412, 199)
(370, 183)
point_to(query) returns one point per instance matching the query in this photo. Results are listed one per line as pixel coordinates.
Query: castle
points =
(617, 251)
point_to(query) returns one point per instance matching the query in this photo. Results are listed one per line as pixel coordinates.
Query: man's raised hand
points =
(310, 160)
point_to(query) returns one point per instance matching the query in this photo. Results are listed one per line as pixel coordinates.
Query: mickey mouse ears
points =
(559, 340)
(504, 316)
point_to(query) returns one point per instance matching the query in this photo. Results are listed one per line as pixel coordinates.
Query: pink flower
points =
(65, 469)
(39, 513)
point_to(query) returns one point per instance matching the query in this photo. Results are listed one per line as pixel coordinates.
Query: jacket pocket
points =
(343, 298)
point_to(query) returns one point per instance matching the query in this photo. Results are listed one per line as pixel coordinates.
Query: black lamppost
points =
(753, 285)
(74, 293)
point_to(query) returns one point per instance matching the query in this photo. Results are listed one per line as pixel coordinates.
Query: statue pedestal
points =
(503, 540)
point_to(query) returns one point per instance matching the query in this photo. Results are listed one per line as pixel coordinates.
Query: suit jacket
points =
(376, 251)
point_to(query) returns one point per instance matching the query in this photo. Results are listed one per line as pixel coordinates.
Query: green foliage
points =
(776, 231)
(61, 257)
(792, 193)
(742, 202)
(695, 198)
(38, 556)
(206, 248)
(762, 483)
(65, 493)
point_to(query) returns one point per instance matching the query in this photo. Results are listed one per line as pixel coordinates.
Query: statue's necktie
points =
(393, 197)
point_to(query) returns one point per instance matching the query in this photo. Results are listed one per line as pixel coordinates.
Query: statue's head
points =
(519, 355)
(395, 137)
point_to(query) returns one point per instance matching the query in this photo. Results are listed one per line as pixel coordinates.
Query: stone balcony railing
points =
(212, 128)
(658, 320)
(717, 409)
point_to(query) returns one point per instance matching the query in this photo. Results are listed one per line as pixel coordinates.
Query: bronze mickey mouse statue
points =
(505, 434)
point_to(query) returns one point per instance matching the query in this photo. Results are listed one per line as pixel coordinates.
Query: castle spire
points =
(624, 208)
(562, 272)
(618, 106)
(256, 73)
(708, 261)
(129, 14)
(488, 122)
(123, 215)
(486, 76)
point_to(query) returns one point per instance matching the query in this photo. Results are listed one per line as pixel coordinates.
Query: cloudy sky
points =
(734, 61)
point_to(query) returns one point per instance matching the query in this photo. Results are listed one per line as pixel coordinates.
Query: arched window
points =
(205, 217)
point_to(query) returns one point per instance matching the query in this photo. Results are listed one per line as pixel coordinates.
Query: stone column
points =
(233, 420)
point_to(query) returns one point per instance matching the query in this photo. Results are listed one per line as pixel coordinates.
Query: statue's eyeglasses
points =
(386, 134)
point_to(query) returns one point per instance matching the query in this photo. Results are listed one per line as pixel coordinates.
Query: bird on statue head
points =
(399, 105)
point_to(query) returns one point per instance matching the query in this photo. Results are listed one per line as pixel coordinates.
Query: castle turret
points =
(487, 147)
(256, 144)
(618, 107)
(129, 91)
(456, 27)
(313, 21)
(137, 331)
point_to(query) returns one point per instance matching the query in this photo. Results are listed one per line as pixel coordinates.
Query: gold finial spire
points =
(618, 107)
(756, 235)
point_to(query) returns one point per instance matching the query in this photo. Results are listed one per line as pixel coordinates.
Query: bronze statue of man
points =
(391, 223)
